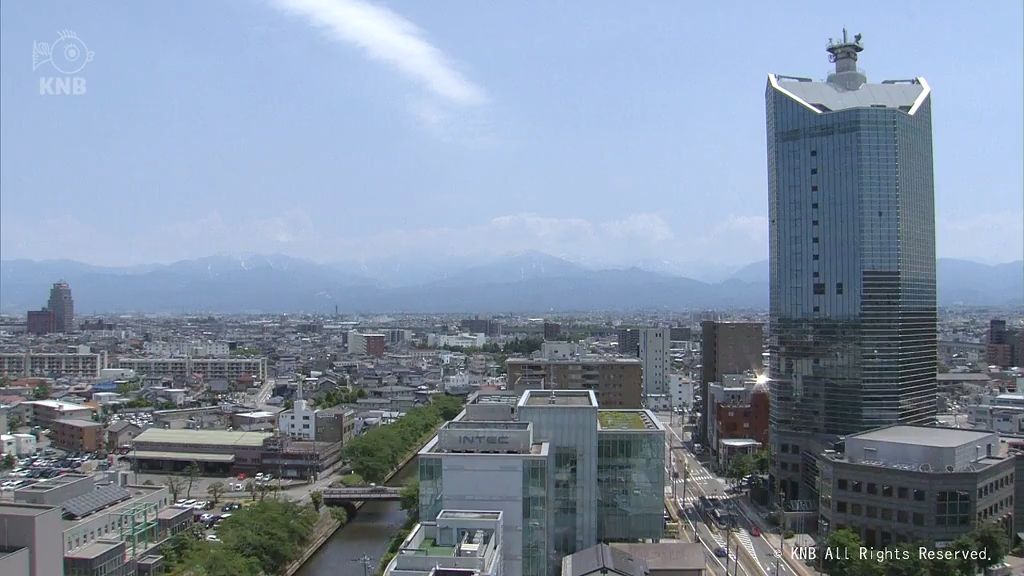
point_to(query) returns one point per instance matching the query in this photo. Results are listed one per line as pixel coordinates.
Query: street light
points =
(367, 562)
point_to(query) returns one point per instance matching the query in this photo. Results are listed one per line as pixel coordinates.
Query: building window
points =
(886, 514)
(814, 188)
(855, 509)
(814, 171)
(901, 516)
(841, 507)
(919, 495)
(872, 488)
(819, 287)
(856, 486)
(871, 511)
(887, 490)
(843, 484)
(815, 257)
(814, 239)
(901, 492)
(814, 152)
(839, 287)
(918, 519)
(814, 205)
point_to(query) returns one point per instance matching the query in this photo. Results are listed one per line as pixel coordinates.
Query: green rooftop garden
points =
(432, 549)
(614, 419)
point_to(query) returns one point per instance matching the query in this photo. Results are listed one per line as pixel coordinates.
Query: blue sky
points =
(604, 132)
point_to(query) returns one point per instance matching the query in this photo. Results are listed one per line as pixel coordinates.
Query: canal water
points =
(368, 533)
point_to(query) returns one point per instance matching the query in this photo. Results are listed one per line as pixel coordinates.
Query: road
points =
(758, 556)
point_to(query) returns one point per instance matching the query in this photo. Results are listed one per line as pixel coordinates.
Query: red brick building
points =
(77, 435)
(41, 322)
(745, 420)
(374, 344)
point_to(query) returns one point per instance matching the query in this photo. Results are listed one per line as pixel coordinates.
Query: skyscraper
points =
(62, 306)
(852, 257)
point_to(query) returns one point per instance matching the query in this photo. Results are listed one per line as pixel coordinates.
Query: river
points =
(368, 533)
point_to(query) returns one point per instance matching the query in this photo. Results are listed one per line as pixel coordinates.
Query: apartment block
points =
(617, 382)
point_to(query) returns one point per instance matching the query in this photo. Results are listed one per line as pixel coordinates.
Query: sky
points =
(608, 133)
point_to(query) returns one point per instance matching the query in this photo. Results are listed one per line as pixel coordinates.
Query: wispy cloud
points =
(388, 37)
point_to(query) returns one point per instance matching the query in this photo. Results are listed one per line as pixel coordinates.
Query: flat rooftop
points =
(21, 509)
(94, 549)
(558, 398)
(625, 420)
(203, 437)
(469, 514)
(923, 436)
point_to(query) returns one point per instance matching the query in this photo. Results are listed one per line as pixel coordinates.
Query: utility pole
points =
(367, 562)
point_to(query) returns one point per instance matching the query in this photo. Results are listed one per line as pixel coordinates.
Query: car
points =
(189, 503)
(675, 474)
(225, 508)
(200, 505)
(212, 538)
(237, 487)
(205, 518)
(180, 502)
(721, 552)
(755, 531)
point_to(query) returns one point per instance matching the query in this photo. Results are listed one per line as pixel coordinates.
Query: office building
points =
(852, 258)
(366, 344)
(563, 473)
(299, 423)
(62, 306)
(1004, 346)
(629, 341)
(656, 359)
(727, 348)
(739, 411)
(916, 484)
(617, 382)
(552, 330)
(30, 536)
(39, 322)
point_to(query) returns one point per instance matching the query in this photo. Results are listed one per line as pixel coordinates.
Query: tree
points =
(207, 559)
(991, 538)
(41, 392)
(250, 487)
(8, 462)
(339, 514)
(272, 532)
(843, 543)
(14, 423)
(762, 458)
(411, 498)
(914, 565)
(193, 473)
(174, 484)
(740, 465)
(215, 490)
(316, 497)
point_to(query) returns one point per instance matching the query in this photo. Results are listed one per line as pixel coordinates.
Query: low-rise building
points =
(916, 483)
(121, 433)
(459, 542)
(45, 412)
(77, 435)
(217, 452)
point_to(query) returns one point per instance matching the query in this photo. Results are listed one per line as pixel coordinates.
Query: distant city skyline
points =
(348, 130)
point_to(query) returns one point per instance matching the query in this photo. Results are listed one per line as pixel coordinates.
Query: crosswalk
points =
(700, 475)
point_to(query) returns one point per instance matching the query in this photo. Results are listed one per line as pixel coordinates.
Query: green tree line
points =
(904, 559)
(376, 453)
(258, 539)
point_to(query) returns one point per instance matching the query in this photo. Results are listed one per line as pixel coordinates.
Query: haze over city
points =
(409, 132)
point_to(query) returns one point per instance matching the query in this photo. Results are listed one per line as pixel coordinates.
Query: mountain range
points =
(524, 282)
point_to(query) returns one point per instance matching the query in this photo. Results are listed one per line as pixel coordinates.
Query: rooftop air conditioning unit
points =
(925, 467)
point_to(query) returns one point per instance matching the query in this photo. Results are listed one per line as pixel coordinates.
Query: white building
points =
(656, 358)
(681, 390)
(556, 350)
(300, 422)
(52, 364)
(458, 340)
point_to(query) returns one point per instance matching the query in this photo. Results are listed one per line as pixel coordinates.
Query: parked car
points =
(721, 552)
(755, 531)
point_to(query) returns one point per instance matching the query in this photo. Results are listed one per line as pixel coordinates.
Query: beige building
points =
(52, 364)
(617, 382)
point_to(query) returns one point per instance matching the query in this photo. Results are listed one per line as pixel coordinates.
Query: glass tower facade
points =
(852, 257)
(631, 485)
